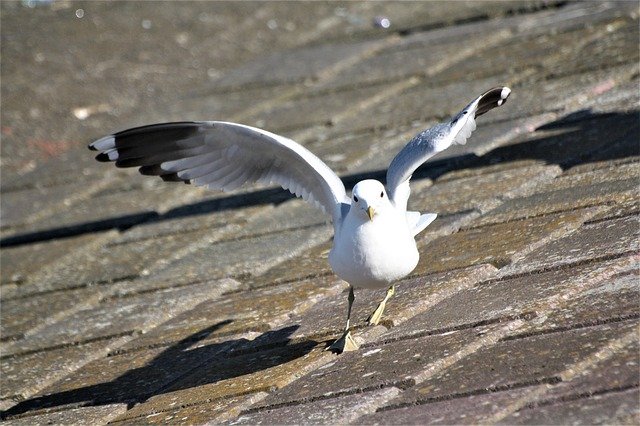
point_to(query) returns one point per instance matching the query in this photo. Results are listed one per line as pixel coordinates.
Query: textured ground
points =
(131, 300)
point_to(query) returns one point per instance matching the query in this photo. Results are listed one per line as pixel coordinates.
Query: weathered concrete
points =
(516, 363)
(497, 244)
(260, 372)
(461, 410)
(412, 296)
(498, 300)
(345, 409)
(612, 407)
(594, 240)
(129, 300)
(117, 317)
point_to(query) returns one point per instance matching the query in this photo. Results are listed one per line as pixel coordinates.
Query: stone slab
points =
(365, 152)
(622, 97)
(617, 211)
(235, 106)
(562, 200)
(117, 317)
(608, 167)
(340, 410)
(426, 102)
(18, 316)
(603, 90)
(464, 410)
(85, 415)
(305, 111)
(326, 318)
(64, 170)
(591, 173)
(448, 224)
(242, 257)
(591, 241)
(495, 301)
(124, 378)
(619, 371)
(293, 66)
(481, 192)
(252, 373)
(498, 244)
(292, 214)
(111, 262)
(109, 209)
(516, 363)
(200, 413)
(311, 263)
(370, 368)
(569, 192)
(25, 375)
(611, 45)
(146, 284)
(622, 150)
(470, 172)
(602, 300)
(21, 207)
(201, 214)
(356, 20)
(533, 50)
(411, 106)
(575, 91)
(569, 139)
(427, 53)
(420, 102)
(598, 409)
(246, 311)
(19, 262)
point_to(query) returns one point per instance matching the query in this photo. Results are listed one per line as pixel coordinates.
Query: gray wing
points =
(438, 138)
(224, 156)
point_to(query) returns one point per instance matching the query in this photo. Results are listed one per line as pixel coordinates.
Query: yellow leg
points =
(346, 342)
(374, 318)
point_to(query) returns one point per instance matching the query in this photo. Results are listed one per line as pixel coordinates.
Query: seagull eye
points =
(382, 194)
(355, 198)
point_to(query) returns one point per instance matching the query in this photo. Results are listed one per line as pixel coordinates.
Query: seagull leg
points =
(346, 342)
(374, 318)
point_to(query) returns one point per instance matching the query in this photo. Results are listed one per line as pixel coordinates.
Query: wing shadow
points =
(183, 365)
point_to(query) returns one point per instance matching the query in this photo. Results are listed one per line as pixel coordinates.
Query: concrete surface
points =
(130, 300)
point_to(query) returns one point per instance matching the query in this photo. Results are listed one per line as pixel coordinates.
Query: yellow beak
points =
(370, 212)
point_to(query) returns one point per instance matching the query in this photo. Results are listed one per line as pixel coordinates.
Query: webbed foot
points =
(374, 318)
(344, 344)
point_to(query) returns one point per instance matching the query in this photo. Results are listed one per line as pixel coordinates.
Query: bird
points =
(374, 242)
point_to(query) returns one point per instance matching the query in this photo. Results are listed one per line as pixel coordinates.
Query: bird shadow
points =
(183, 365)
(577, 138)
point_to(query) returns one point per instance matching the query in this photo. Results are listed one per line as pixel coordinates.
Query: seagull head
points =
(369, 198)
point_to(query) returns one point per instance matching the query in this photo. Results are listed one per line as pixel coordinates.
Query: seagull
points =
(374, 235)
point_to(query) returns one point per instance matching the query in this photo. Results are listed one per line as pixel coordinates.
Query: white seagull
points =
(374, 234)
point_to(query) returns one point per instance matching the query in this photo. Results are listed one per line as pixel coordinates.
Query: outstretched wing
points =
(224, 156)
(438, 138)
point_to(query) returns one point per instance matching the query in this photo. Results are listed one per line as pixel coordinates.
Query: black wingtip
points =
(172, 177)
(492, 98)
(102, 157)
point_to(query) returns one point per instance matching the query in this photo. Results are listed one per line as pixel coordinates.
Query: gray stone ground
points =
(130, 300)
